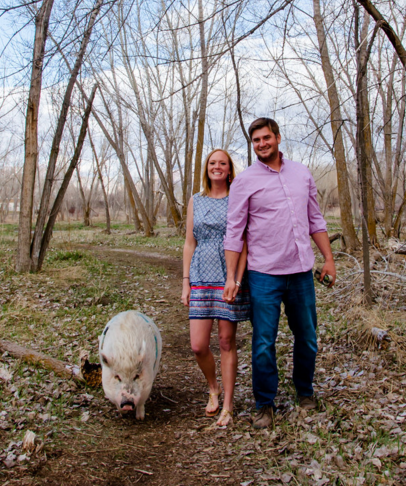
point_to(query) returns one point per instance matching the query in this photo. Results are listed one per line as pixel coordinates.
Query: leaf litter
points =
(356, 436)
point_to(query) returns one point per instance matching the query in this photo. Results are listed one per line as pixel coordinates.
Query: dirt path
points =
(357, 436)
(175, 444)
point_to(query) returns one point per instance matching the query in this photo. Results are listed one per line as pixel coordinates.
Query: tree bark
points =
(105, 198)
(362, 64)
(85, 203)
(385, 26)
(65, 370)
(23, 260)
(239, 110)
(65, 183)
(373, 238)
(350, 237)
(49, 179)
(202, 102)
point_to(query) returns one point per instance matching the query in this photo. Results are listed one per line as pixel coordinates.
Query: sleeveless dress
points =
(208, 266)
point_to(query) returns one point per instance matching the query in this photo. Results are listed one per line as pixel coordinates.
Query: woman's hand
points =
(185, 293)
(230, 290)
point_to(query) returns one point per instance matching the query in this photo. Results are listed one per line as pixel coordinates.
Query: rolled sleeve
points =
(317, 223)
(236, 217)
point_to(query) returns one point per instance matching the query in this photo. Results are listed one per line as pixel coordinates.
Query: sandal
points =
(225, 416)
(213, 413)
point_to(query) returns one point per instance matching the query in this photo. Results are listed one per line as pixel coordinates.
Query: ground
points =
(356, 436)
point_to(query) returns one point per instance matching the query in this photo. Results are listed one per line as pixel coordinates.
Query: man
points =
(275, 202)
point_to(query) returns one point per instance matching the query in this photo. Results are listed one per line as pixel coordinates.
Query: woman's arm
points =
(188, 250)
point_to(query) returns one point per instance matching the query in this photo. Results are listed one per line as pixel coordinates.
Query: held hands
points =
(230, 290)
(329, 268)
(185, 293)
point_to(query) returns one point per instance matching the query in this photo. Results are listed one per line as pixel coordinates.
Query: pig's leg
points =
(140, 412)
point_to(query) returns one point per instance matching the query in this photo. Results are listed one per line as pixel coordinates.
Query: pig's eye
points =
(117, 378)
(136, 377)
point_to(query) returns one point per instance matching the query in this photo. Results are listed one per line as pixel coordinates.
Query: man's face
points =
(266, 144)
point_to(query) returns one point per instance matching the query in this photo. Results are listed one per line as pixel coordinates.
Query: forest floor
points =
(357, 436)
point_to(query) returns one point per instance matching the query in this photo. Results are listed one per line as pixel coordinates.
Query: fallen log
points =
(60, 368)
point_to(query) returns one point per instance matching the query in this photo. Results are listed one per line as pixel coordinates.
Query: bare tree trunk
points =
(65, 183)
(202, 102)
(373, 238)
(118, 145)
(85, 205)
(350, 237)
(239, 110)
(49, 179)
(105, 198)
(23, 260)
(384, 25)
(133, 206)
(398, 221)
(362, 159)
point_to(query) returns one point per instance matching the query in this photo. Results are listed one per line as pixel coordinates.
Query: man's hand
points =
(230, 291)
(329, 268)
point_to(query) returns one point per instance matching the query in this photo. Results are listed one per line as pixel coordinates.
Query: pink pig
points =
(130, 350)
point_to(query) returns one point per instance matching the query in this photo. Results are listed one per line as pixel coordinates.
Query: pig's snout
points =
(127, 404)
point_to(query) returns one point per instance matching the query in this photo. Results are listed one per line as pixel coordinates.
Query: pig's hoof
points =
(140, 413)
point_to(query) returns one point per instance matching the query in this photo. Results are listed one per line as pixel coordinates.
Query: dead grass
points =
(356, 437)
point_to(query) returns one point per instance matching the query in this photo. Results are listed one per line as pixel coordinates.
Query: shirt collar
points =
(281, 158)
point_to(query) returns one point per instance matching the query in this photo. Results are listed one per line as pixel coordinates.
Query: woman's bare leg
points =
(200, 330)
(229, 360)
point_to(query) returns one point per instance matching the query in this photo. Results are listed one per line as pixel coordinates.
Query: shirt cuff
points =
(233, 245)
(317, 229)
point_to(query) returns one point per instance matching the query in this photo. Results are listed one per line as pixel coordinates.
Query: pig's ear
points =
(105, 360)
(143, 348)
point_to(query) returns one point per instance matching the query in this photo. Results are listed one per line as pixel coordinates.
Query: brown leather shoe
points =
(307, 403)
(264, 418)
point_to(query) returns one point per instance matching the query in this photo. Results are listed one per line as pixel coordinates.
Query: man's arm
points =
(234, 241)
(230, 289)
(323, 243)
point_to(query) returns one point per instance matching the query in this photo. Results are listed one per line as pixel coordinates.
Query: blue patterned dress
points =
(208, 266)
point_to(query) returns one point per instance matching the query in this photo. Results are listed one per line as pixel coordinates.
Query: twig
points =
(349, 256)
(144, 472)
(166, 398)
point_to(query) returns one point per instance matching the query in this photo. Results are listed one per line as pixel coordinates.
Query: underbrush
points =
(357, 436)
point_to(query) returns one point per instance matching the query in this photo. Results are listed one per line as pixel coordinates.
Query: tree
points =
(23, 259)
(49, 179)
(387, 28)
(351, 240)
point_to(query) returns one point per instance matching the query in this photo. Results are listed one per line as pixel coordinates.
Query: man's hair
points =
(206, 182)
(261, 123)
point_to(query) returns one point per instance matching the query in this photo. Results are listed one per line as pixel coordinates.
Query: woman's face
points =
(218, 167)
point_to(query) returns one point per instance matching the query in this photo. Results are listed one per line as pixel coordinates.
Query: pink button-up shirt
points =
(280, 211)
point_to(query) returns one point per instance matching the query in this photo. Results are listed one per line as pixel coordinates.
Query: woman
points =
(204, 276)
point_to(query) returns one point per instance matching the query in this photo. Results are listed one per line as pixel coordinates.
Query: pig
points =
(130, 350)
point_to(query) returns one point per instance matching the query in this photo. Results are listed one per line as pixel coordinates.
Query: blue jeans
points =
(296, 291)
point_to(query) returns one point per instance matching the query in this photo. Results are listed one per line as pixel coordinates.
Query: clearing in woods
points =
(357, 436)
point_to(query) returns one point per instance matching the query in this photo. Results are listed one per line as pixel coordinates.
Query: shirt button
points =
(296, 239)
(294, 225)
(292, 212)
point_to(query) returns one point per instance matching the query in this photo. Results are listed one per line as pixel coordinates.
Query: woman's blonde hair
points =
(206, 182)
